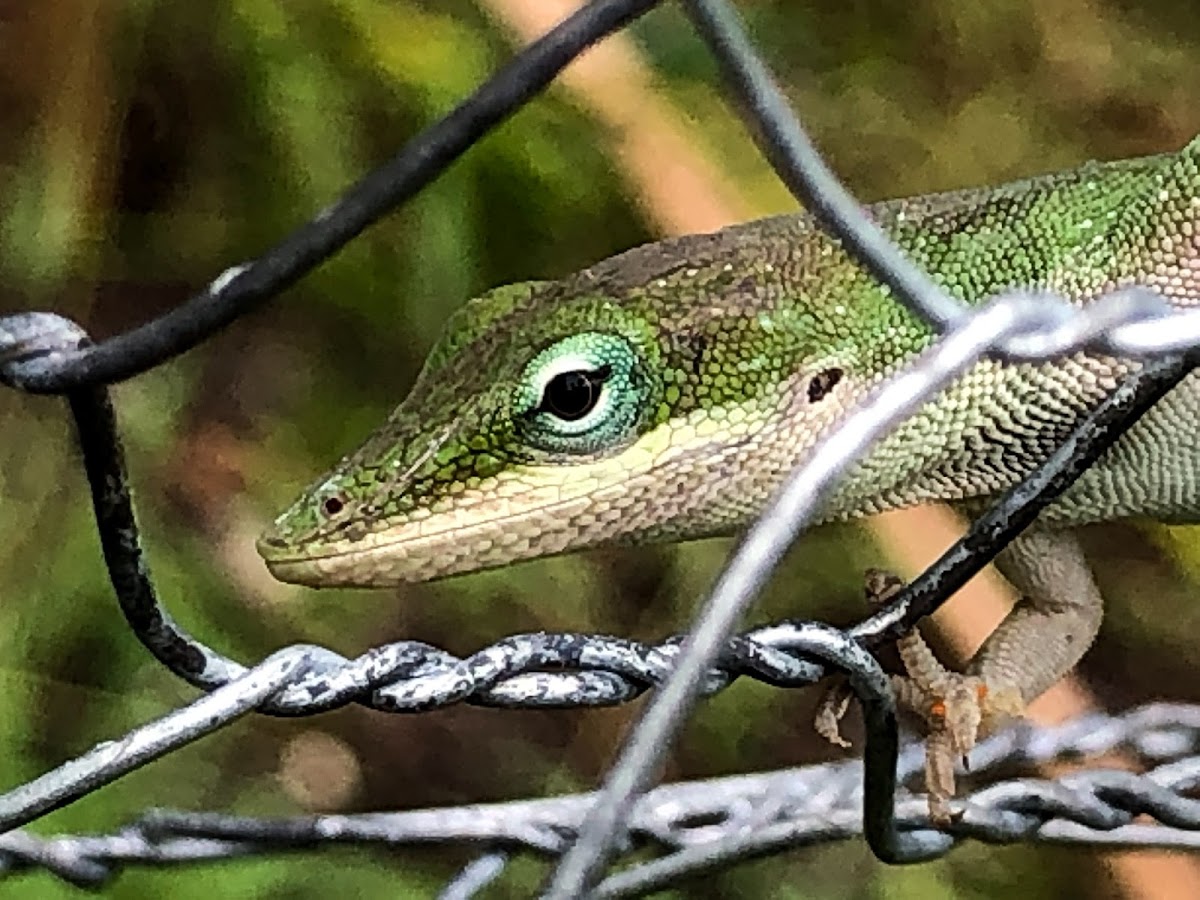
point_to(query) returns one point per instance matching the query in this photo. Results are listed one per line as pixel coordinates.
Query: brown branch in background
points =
(58, 55)
(681, 191)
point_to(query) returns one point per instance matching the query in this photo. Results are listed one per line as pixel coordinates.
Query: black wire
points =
(424, 158)
(798, 163)
(1017, 508)
(104, 462)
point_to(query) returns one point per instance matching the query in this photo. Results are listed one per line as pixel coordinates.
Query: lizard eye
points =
(584, 394)
(572, 395)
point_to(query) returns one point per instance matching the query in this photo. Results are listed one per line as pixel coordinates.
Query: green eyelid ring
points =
(583, 394)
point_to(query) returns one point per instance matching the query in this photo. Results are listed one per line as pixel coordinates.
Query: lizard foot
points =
(956, 709)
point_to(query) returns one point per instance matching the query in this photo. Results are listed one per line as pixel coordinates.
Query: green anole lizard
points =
(664, 393)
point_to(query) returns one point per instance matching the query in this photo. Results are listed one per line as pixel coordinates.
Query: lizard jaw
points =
(521, 514)
(444, 544)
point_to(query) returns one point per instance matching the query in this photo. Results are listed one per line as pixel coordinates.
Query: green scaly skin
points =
(731, 352)
(712, 364)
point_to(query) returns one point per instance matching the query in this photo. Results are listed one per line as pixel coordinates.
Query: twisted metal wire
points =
(701, 825)
(411, 677)
(40, 352)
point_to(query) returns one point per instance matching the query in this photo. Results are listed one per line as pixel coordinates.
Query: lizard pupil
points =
(333, 506)
(572, 395)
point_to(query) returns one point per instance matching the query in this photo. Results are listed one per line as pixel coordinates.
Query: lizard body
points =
(663, 394)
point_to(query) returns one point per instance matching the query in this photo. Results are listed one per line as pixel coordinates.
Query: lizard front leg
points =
(1041, 639)
(1053, 623)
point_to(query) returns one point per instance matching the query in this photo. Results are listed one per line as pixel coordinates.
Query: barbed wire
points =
(42, 352)
(699, 825)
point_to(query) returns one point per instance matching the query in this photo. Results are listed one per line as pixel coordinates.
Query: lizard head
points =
(623, 404)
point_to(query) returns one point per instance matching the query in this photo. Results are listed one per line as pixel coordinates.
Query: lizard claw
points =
(832, 706)
(956, 709)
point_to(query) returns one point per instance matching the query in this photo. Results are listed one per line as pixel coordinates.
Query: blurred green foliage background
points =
(145, 146)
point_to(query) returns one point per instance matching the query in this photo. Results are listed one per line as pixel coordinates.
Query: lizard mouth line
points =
(273, 556)
(347, 563)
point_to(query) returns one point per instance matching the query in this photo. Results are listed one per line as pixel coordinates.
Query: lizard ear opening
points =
(332, 505)
(822, 383)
